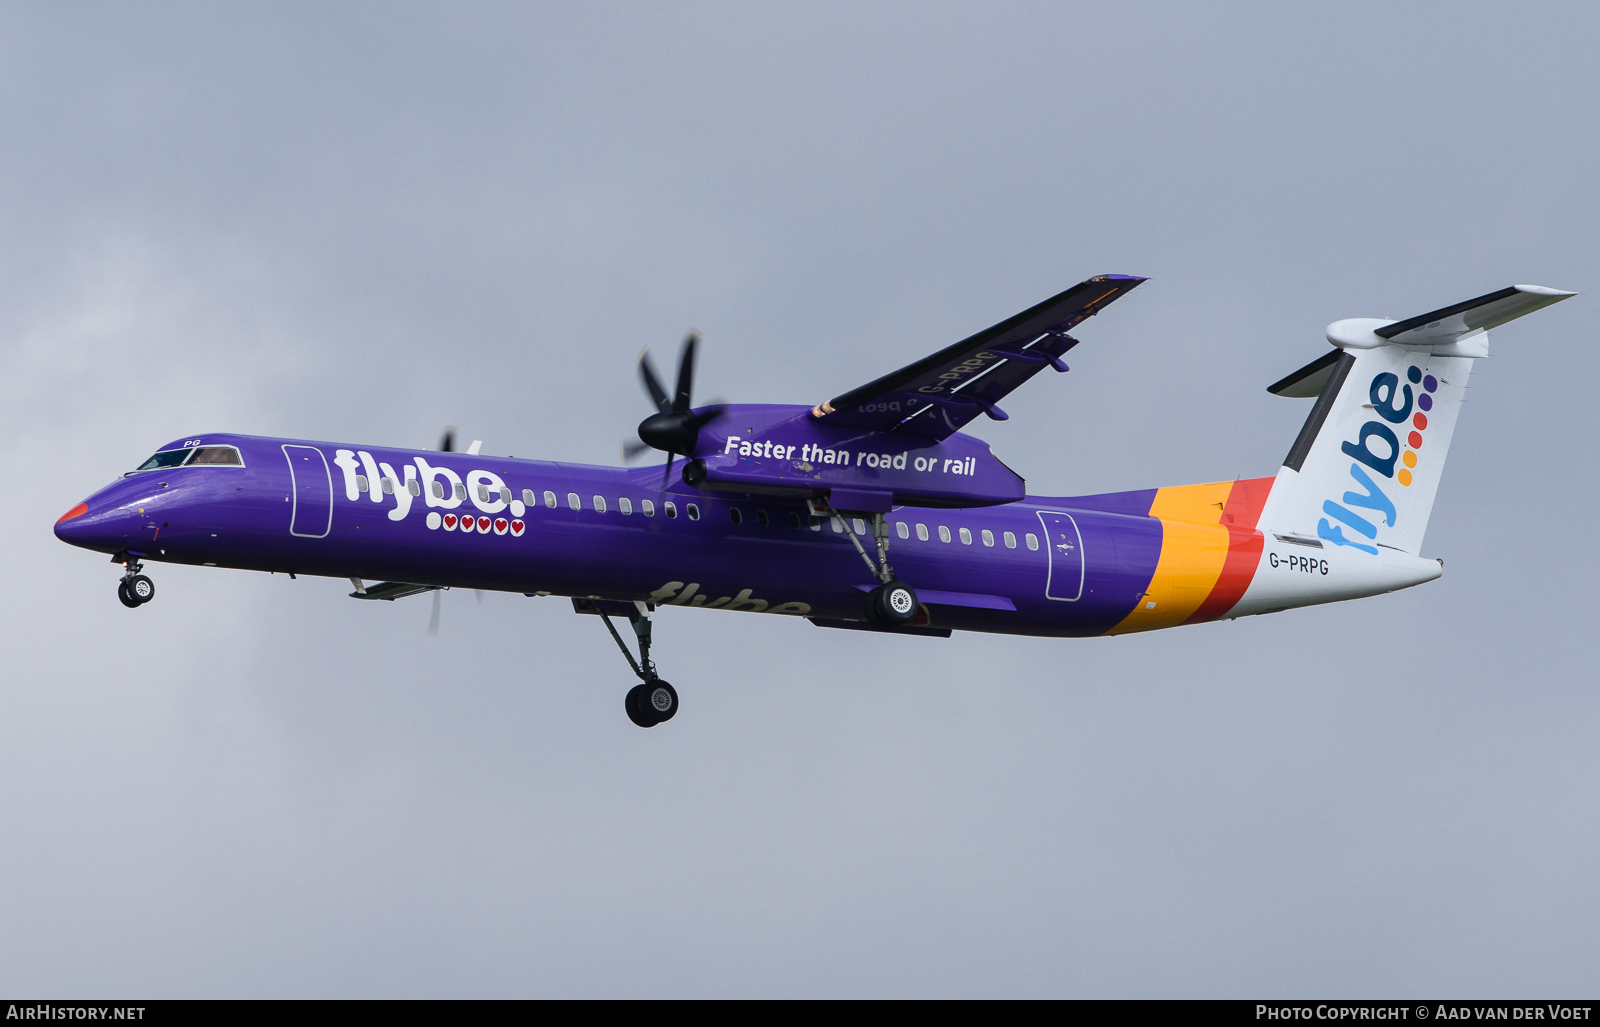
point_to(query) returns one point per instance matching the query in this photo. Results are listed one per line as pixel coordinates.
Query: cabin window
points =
(966, 536)
(550, 500)
(647, 508)
(461, 491)
(388, 485)
(794, 521)
(505, 495)
(670, 509)
(860, 526)
(988, 538)
(483, 493)
(902, 529)
(734, 515)
(838, 525)
(216, 456)
(625, 505)
(762, 519)
(573, 501)
(944, 533)
(414, 486)
(1033, 541)
(361, 483)
(599, 504)
(922, 532)
(528, 498)
(1011, 540)
(438, 490)
(815, 523)
(694, 512)
(166, 458)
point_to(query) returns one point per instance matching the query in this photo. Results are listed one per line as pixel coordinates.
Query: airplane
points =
(796, 511)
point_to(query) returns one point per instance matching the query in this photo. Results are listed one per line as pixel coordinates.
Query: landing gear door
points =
(310, 492)
(1064, 544)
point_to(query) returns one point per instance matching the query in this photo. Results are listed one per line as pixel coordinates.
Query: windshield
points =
(165, 458)
(212, 456)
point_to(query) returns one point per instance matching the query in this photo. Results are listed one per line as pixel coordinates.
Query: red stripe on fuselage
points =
(1239, 515)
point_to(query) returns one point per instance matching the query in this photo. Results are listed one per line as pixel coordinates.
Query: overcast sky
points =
(363, 222)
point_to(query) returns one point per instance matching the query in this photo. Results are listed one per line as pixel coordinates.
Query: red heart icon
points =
(450, 522)
(499, 525)
(516, 527)
(466, 524)
(483, 524)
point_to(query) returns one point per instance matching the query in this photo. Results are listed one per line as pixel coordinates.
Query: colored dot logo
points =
(1419, 423)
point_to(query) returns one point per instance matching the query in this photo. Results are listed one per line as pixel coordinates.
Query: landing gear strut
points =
(653, 701)
(134, 590)
(893, 603)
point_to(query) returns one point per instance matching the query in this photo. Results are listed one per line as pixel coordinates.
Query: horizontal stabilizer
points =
(1447, 324)
(1307, 382)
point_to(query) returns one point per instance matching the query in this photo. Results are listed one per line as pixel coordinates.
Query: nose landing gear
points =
(134, 590)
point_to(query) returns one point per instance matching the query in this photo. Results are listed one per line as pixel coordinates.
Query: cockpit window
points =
(214, 456)
(166, 458)
(219, 456)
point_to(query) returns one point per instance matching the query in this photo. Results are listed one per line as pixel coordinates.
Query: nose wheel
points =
(134, 590)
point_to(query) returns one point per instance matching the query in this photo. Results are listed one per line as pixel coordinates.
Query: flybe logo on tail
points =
(1379, 447)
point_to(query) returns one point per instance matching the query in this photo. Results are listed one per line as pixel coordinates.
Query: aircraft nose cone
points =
(105, 530)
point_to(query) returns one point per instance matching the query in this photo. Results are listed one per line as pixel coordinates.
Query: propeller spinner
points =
(675, 427)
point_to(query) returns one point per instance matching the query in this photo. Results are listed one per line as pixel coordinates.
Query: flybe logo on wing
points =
(497, 513)
(1393, 402)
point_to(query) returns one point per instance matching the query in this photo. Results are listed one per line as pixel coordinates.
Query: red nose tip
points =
(77, 511)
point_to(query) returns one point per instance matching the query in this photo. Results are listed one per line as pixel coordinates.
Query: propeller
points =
(675, 427)
(433, 620)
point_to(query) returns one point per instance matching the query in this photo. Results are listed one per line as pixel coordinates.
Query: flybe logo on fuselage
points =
(438, 487)
(1393, 402)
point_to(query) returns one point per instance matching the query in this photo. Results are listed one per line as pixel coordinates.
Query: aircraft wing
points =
(937, 395)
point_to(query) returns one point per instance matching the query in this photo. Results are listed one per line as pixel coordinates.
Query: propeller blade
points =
(666, 471)
(708, 414)
(433, 622)
(680, 403)
(631, 449)
(652, 383)
(447, 441)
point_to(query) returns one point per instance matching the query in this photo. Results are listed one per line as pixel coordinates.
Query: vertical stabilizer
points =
(1363, 473)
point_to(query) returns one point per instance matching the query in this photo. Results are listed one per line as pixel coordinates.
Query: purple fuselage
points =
(345, 511)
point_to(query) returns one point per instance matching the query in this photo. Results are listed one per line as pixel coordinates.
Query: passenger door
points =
(311, 492)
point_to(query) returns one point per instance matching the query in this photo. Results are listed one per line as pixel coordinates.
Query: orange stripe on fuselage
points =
(1209, 552)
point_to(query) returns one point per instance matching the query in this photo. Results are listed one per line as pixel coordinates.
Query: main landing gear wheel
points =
(126, 599)
(891, 605)
(651, 703)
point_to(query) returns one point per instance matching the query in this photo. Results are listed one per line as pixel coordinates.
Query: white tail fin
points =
(1364, 471)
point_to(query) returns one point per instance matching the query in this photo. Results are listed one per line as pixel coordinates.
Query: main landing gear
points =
(892, 604)
(134, 590)
(653, 701)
